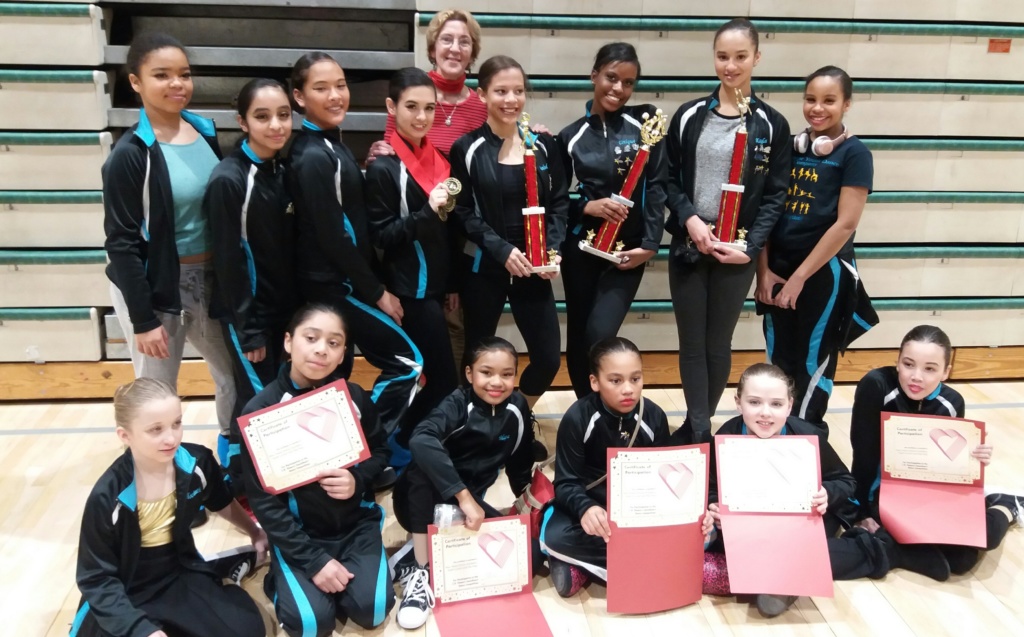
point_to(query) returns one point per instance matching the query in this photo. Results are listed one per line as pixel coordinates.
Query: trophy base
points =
(540, 269)
(735, 245)
(607, 256)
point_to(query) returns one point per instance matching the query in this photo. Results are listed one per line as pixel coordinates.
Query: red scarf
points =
(445, 85)
(426, 164)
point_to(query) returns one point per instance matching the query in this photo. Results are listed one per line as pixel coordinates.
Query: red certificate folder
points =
(777, 553)
(657, 568)
(318, 422)
(510, 615)
(924, 510)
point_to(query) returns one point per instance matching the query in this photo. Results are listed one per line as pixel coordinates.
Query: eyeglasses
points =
(447, 40)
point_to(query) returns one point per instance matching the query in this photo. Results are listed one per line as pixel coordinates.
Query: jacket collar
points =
(184, 462)
(610, 119)
(334, 133)
(144, 129)
(480, 403)
(712, 100)
(608, 412)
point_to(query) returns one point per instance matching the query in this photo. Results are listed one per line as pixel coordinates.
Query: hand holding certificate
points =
(480, 575)
(766, 488)
(932, 488)
(656, 502)
(291, 443)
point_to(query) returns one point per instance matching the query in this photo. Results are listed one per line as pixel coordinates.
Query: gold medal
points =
(454, 187)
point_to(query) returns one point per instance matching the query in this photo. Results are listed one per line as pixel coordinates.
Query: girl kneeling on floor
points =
(327, 557)
(457, 453)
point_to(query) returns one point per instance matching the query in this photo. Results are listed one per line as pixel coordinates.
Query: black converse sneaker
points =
(1014, 505)
(417, 600)
(402, 563)
(245, 568)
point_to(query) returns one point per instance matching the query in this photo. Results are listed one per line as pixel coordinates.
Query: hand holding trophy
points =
(732, 193)
(540, 259)
(603, 243)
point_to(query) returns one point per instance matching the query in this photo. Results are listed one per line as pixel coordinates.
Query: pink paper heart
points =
(319, 421)
(677, 477)
(496, 546)
(953, 447)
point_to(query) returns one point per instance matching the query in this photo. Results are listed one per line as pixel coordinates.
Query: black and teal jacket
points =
(765, 174)
(464, 442)
(138, 219)
(416, 244)
(880, 391)
(252, 223)
(110, 541)
(292, 518)
(588, 429)
(479, 207)
(332, 240)
(600, 153)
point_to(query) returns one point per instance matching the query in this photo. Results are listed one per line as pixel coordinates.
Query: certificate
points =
(932, 490)
(657, 499)
(291, 443)
(472, 564)
(774, 475)
(930, 449)
(765, 491)
(657, 487)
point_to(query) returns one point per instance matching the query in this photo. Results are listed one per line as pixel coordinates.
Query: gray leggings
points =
(707, 297)
(204, 333)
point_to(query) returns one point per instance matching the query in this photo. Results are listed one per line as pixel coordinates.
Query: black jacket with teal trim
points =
(416, 243)
(479, 207)
(464, 442)
(599, 154)
(880, 391)
(765, 174)
(332, 239)
(292, 518)
(140, 231)
(252, 224)
(588, 429)
(111, 540)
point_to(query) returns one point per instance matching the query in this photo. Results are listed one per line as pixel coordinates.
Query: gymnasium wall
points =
(938, 92)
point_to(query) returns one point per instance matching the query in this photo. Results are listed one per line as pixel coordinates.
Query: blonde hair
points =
(130, 397)
(442, 18)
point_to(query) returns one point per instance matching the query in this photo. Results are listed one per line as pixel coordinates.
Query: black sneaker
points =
(774, 605)
(417, 600)
(566, 578)
(403, 563)
(540, 452)
(268, 587)
(924, 559)
(683, 435)
(385, 480)
(245, 568)
(1013, 505)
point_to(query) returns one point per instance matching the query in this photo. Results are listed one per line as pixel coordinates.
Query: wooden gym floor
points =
(52, 453)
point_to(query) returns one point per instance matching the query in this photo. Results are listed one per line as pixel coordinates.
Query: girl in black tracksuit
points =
(808, 289)
(457, 452)
(915, 386)
(335, 261)
(599, 150)
(252, 223)
(709, 282)
(488, 163)
(327, 557)
(138, 568)
(574, 531)
(405, 200)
